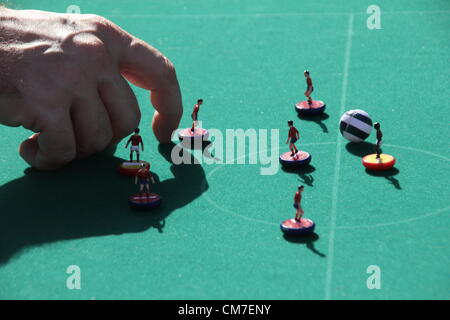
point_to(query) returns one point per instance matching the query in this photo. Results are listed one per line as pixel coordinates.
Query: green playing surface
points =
(217, 232)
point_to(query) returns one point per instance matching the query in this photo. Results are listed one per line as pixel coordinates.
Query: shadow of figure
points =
(88, 198)
(303, 172)
(306, 239)
(360, 149)
(389, 175)
(205, 146)
(317, 119)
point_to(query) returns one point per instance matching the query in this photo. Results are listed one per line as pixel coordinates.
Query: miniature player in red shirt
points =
(376, 125)
(297, 204)
(143, 177)
(194, 114)
(309, 87)
(293, 136)
(135, 140)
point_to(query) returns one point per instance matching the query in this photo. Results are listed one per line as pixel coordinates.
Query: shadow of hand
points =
(86, 199)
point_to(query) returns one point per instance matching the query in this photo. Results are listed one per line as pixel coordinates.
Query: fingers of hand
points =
(53, 147)
(121, 105)
(91, 61)
(146, 67)
(91, 125)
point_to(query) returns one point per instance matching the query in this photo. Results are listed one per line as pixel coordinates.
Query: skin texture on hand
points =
(63, 76)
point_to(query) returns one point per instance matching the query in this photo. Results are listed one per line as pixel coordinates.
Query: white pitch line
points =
(260, 15)
(419, 150)
(334, 195)
(228, 15)
(232, 161)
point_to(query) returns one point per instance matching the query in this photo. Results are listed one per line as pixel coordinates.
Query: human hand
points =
(63, 77)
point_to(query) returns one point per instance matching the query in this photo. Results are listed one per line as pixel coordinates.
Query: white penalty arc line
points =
(332, 230)
(419, 150)
(233, 161)
(418, 217)
(426, 215)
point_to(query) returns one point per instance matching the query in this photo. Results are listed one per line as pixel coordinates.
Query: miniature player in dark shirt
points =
(309, 87)
(297, 204)
(376, 125)
(143, 177)
(194, 114)
(135, 140)
(293, 136)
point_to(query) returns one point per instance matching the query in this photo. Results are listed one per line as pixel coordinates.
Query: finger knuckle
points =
(99, 23)
(90, 44)
(163, 67)
(169, 73)
(90, 51)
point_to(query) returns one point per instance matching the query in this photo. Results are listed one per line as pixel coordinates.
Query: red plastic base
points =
(144, 200)
(303, 107)
(301, 158)
(292, 227)
(199, 133)
(130, 168)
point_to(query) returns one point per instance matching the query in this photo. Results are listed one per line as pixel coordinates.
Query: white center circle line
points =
(244, 217)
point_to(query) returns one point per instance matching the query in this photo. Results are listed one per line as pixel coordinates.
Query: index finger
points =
(146, 67)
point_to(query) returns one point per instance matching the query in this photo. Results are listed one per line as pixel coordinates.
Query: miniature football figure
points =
(309, 87)
(194, 114)
(143, 177)
(144, 200)
(379, 143)
(194, 132)
(135, 141)
(378, 161)
(293, 136)
(298, 204)
(130, 168)
(295, 157)
(298, 225)
(310, 106)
